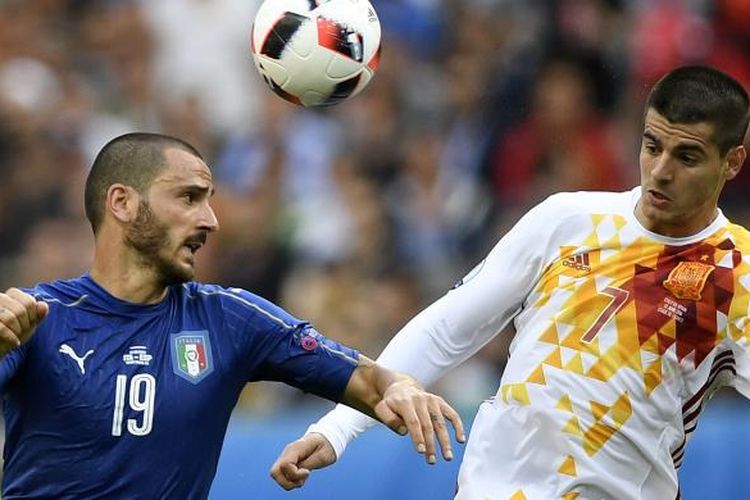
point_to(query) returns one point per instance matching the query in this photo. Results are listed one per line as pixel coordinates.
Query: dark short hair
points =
(695, 94)
(133, 159)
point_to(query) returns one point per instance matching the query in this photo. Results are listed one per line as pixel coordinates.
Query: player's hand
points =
(406, 407)
(20, 314)
(292, 468)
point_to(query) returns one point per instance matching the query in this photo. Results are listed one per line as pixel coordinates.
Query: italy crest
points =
(191, 355)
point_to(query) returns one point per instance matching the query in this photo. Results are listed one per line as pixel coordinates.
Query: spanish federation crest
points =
(687, 279)
(191, 355)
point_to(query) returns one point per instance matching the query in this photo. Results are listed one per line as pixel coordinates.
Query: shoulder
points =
(569, 213)
(740, 235)
(237, 302)
(68, 292)
(587, 203)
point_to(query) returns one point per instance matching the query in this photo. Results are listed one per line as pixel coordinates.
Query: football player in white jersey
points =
(630, 309)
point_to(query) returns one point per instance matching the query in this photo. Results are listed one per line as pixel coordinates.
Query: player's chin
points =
(185, 258)
(658, 214)
(180, 270)
(186, 270)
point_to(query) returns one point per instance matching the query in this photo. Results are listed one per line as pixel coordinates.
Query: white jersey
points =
(622, 337)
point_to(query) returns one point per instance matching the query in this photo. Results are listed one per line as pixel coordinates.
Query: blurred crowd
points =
(357, 216)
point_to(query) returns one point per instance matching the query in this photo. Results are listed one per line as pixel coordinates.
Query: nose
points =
(662, 169)
(209, 222)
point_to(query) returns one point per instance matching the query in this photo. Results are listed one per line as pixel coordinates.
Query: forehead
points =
(699, 134)
(182, 168)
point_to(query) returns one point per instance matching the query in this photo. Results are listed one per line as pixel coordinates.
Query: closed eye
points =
(688, 160)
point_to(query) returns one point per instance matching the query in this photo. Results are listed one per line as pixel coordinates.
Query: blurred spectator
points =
(202, 52)
(251, 249)
(563, 144)
(55, 248)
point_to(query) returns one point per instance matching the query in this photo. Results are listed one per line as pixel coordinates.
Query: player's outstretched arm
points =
(20, 314)
(395, 399)
(400, 402)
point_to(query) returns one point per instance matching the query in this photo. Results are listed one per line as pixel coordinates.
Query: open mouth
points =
(658, 195)
(194, 243)
(193, 247)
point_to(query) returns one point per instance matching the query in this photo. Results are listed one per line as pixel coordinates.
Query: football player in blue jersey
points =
(112, 381)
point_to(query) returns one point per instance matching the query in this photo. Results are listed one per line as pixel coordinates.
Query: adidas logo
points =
(578, 262)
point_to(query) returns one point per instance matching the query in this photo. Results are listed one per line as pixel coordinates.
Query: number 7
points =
(619, 298)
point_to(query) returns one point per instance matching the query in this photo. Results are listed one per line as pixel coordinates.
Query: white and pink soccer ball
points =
(316, 52)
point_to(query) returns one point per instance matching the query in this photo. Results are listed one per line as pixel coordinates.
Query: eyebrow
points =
(680, 147)
(691, 148)
(648, 135)
(199, 188)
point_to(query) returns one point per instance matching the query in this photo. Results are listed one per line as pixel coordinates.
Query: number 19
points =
(142, 392)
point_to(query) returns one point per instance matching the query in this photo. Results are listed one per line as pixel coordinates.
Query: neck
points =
(118, 270)
(681, 229)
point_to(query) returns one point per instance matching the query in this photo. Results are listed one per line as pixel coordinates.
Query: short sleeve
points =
(274, 345)
(305, 359)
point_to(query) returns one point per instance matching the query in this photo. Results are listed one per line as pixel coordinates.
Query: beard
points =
(149, 237)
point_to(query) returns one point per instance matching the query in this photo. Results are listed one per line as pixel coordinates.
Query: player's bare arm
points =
(402, 404)
(20, 314)
(395, 399)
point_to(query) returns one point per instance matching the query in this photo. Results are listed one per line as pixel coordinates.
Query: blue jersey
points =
(110, 399)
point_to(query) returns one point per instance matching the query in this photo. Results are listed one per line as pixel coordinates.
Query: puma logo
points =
(66, 349)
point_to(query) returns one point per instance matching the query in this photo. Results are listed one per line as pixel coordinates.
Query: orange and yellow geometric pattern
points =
(622, 305)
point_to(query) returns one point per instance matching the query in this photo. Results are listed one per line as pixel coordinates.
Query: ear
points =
(122, 202)
(735, 159)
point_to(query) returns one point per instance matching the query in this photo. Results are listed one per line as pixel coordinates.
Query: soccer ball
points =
(316, 52)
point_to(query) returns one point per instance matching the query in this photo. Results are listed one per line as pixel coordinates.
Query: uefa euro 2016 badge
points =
(191, 355)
